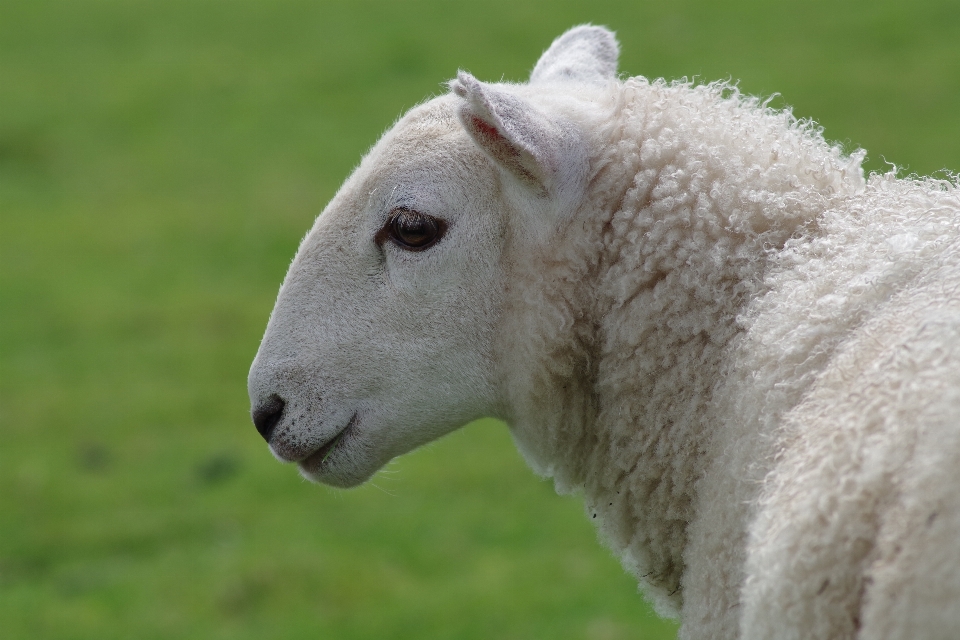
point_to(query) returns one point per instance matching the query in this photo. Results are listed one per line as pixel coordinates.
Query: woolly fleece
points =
(689, 307)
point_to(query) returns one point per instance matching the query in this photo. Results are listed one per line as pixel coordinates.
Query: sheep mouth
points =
(318, 459)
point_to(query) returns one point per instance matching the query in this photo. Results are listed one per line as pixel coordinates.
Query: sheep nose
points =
(267, 415)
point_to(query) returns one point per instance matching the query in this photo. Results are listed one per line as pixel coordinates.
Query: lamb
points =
(688, 307)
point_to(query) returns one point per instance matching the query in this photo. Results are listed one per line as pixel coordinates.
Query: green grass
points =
(159, 162)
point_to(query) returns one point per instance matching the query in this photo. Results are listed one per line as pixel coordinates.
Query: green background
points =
(159, 162)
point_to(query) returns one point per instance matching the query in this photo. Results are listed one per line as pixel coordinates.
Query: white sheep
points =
(688, 307)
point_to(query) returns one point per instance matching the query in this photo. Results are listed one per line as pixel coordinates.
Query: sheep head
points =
(385, 331)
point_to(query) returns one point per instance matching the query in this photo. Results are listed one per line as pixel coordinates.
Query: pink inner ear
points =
(498, 145)
(486, 129)
(502, 149)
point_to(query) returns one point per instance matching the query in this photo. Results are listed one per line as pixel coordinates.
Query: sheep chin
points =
(336, 463)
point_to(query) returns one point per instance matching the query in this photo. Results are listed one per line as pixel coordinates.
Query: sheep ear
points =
(539, 152)
(583, 54)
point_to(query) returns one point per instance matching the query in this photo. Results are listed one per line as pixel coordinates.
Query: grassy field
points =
(159, 162)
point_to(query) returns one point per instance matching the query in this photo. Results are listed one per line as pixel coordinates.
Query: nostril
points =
(267, 415)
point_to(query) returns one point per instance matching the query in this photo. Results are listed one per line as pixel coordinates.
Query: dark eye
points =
(412, 230)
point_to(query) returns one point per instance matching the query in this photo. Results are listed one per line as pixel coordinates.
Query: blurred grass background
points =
(159, 162)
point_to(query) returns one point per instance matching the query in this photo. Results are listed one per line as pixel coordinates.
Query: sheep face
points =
(385, 331)
(382, 334)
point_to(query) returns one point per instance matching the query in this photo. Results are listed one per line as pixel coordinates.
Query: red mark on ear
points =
(503, 150)
(486, 129)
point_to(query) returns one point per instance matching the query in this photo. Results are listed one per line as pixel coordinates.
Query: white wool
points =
(689, 307)
(649, 287)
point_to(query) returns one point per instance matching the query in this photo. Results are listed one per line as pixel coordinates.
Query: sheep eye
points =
(414, 231)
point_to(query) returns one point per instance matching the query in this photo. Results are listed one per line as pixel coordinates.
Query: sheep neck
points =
(623, 334)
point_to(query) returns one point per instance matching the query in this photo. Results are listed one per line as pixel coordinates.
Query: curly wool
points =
(661, 341)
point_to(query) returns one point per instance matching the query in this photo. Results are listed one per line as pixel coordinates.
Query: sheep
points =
(687, 306)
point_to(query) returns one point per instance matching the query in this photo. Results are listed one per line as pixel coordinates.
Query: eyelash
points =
(411, 230)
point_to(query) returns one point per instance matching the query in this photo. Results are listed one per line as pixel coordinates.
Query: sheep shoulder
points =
(842, 399)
